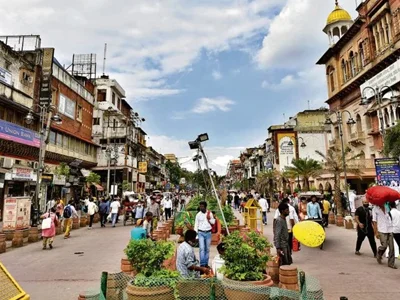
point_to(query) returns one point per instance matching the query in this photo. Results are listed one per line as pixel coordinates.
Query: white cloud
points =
(295, 39)
(216, 75)
(218, 157)
(205, 105)
(148, 40)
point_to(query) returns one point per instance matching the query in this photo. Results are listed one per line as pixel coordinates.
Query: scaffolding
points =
(84, 65)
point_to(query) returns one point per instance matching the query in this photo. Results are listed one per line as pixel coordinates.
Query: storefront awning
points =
(98, 187)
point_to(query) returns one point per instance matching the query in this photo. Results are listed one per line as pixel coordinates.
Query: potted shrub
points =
(152, 280)
(245, 260)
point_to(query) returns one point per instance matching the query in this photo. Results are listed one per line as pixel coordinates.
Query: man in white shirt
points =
(203, 225)
(264, 208)
(383, 229)
(92, 209)
(352, 202)
(291, 220)
(167, 207)
(115, 205)
(395, 215)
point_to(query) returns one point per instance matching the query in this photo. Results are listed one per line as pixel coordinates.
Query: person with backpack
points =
(92, 209)
(68, 214)
(103, 211)
(203, 226)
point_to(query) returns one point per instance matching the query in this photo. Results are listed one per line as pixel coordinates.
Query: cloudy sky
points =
(230, 68)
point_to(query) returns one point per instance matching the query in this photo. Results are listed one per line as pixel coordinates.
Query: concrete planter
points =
(33, 235)
(2, 243)
(18, 239)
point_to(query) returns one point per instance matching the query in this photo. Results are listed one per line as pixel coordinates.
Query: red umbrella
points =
(379, 195)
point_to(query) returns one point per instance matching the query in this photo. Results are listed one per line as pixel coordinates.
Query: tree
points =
(265, 182)
(305, 168)
(62, 170)
(334, 165)
(392, 142)
(93, 178)
(174, 172)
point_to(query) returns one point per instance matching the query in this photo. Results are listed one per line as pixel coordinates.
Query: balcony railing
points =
(367, 163)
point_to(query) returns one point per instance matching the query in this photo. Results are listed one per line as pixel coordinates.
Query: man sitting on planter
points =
(186, 262)
(203, 225)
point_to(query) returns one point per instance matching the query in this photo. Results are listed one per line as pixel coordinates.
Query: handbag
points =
(46, 223)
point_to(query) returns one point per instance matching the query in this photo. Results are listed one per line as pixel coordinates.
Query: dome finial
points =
(336, 2)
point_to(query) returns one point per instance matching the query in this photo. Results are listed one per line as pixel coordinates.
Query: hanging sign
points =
(47, 69)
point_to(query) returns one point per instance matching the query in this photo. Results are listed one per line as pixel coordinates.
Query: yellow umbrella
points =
(309, 233)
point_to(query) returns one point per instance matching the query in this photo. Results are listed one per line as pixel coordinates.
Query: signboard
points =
(23, 174)
(286, 152)
(66, 107)
(387, 171)
(19, 134)
(387, 77)
(142, 178)
(143, 167)
(5, 76)
(59, 180)
(17, 213)
(47, 178)
(47, 69)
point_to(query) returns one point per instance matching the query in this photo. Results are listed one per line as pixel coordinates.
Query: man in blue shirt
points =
(314, 209)
(138, 233)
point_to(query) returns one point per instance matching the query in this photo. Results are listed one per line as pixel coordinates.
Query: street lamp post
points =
(302, 145)
(378, 96)
(350, 121)
(45, 118)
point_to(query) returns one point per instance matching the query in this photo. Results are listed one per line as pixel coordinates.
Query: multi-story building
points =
(67, 142)
(155, 178)
(362, 67)
(234, 172)
(115, 129)
(171, 157)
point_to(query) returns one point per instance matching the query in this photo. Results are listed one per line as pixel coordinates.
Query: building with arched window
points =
(365, 52)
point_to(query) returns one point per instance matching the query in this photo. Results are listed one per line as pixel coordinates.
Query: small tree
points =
(265, 182)
(62, 170)
(126, 186)
(392, 142)
(334, 166)
(305, 168)
(93, 178)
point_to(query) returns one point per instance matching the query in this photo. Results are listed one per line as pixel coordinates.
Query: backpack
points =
(67, 212)
(214, 228)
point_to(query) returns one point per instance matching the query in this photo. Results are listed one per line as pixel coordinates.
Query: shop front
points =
(141, 185)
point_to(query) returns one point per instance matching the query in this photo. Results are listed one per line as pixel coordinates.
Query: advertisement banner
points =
(19, 134)
(47, 70)
(387, 77)
(143, 167)
(17, 212)
(66, 107)
(286, 152)
(59, 180)
(387, 172)
(23, 174)
(5, 76)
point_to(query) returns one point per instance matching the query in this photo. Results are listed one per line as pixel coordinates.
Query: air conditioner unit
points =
(6, 162)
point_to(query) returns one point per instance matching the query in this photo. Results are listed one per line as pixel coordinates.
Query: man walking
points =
(363, 218)
(103, 210)
(291, 220)
(395, 215)
(236, 200)
(168, 207)
(325, 213)
(384, 231)
(313, 209)
(92, 209)
(139, 211)
(115, 205)
(281, 236)
(68, 214)
(264, 208)
(154, 208)
(202, 225)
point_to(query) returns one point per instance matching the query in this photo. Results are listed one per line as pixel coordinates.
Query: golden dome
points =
(338, 14)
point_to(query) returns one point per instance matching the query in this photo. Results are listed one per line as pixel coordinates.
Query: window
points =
(66, 142)
(119, 103)
(362, 57)
(79, 113)
(87, 148)
(344, 71)
(115, 124)
(52, 137)
(96, 121)
(10, 116)
(352, 64)
(331, 77)
(113, 98)
(101, 95)
(72, 145)
(59, 139)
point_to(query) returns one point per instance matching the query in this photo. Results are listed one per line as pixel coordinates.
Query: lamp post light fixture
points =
(196, 144)
(302, 145)
(45, 117)
(378, 97)
(350, 121)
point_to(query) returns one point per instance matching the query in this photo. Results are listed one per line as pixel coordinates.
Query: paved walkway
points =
(341, 272)
(63, 272)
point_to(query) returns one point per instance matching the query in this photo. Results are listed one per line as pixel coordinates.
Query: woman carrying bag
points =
(49, 224)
